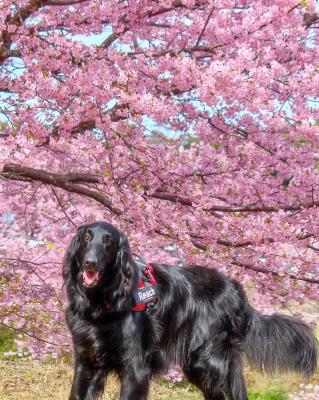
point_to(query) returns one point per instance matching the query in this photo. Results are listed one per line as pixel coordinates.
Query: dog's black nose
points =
(90, 264)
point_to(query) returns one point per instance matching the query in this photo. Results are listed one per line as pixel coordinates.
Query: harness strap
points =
(145, 297)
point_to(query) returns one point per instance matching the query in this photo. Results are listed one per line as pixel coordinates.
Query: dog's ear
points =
(70, 267)
(125, 271)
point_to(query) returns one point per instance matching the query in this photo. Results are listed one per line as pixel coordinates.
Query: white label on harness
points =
(147, 294)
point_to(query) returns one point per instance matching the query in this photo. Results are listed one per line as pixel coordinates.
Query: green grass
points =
(25, 380)
(277, 394)
(6, 341)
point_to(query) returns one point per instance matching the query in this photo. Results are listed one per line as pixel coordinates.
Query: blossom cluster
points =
(307, 392)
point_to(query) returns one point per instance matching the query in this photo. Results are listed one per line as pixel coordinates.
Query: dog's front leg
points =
(88, 382)
(135, 382)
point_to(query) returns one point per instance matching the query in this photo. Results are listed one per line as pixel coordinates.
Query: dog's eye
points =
(86, 236)
(108, 240)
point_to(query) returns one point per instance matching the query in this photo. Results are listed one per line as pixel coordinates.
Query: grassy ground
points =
(25, 381)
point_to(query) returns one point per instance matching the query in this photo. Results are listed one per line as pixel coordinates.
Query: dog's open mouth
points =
(90, 277)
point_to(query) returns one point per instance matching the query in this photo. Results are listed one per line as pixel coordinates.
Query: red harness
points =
(145, 297)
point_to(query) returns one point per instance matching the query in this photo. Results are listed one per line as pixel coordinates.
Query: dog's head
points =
(99, 256)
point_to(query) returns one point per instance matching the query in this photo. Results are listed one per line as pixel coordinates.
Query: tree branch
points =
(205, 25)
(5, 54)
(255, 209)
(234, 209)
(19, 17)
(263, 271)
(66, 182)
(228, 243)
(62, 207)
(24, 332)
(171, 197)
(109, 40)
(310, 19)
(64, 2)
(82, 126)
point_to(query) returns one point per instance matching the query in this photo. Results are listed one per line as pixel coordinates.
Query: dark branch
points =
(171, 197)
(255, 209)
(273, 273)
(109, 40)
(24, 332)
(310, 19)
(66, 182)
(64, 2)
(228, 243)
(205, 25)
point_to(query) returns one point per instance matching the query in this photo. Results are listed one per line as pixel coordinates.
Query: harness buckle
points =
(151, 308)
(147, 275)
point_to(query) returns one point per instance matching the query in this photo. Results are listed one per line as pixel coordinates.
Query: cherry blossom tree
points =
(190, 125)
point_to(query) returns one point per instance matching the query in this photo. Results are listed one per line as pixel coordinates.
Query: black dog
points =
(136, 320)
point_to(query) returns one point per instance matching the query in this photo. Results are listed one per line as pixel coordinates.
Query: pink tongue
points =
(90, 277)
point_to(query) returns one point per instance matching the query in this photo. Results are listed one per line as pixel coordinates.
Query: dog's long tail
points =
(279, 342)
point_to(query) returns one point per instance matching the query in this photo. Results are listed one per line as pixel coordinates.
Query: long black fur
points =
(203, 322)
